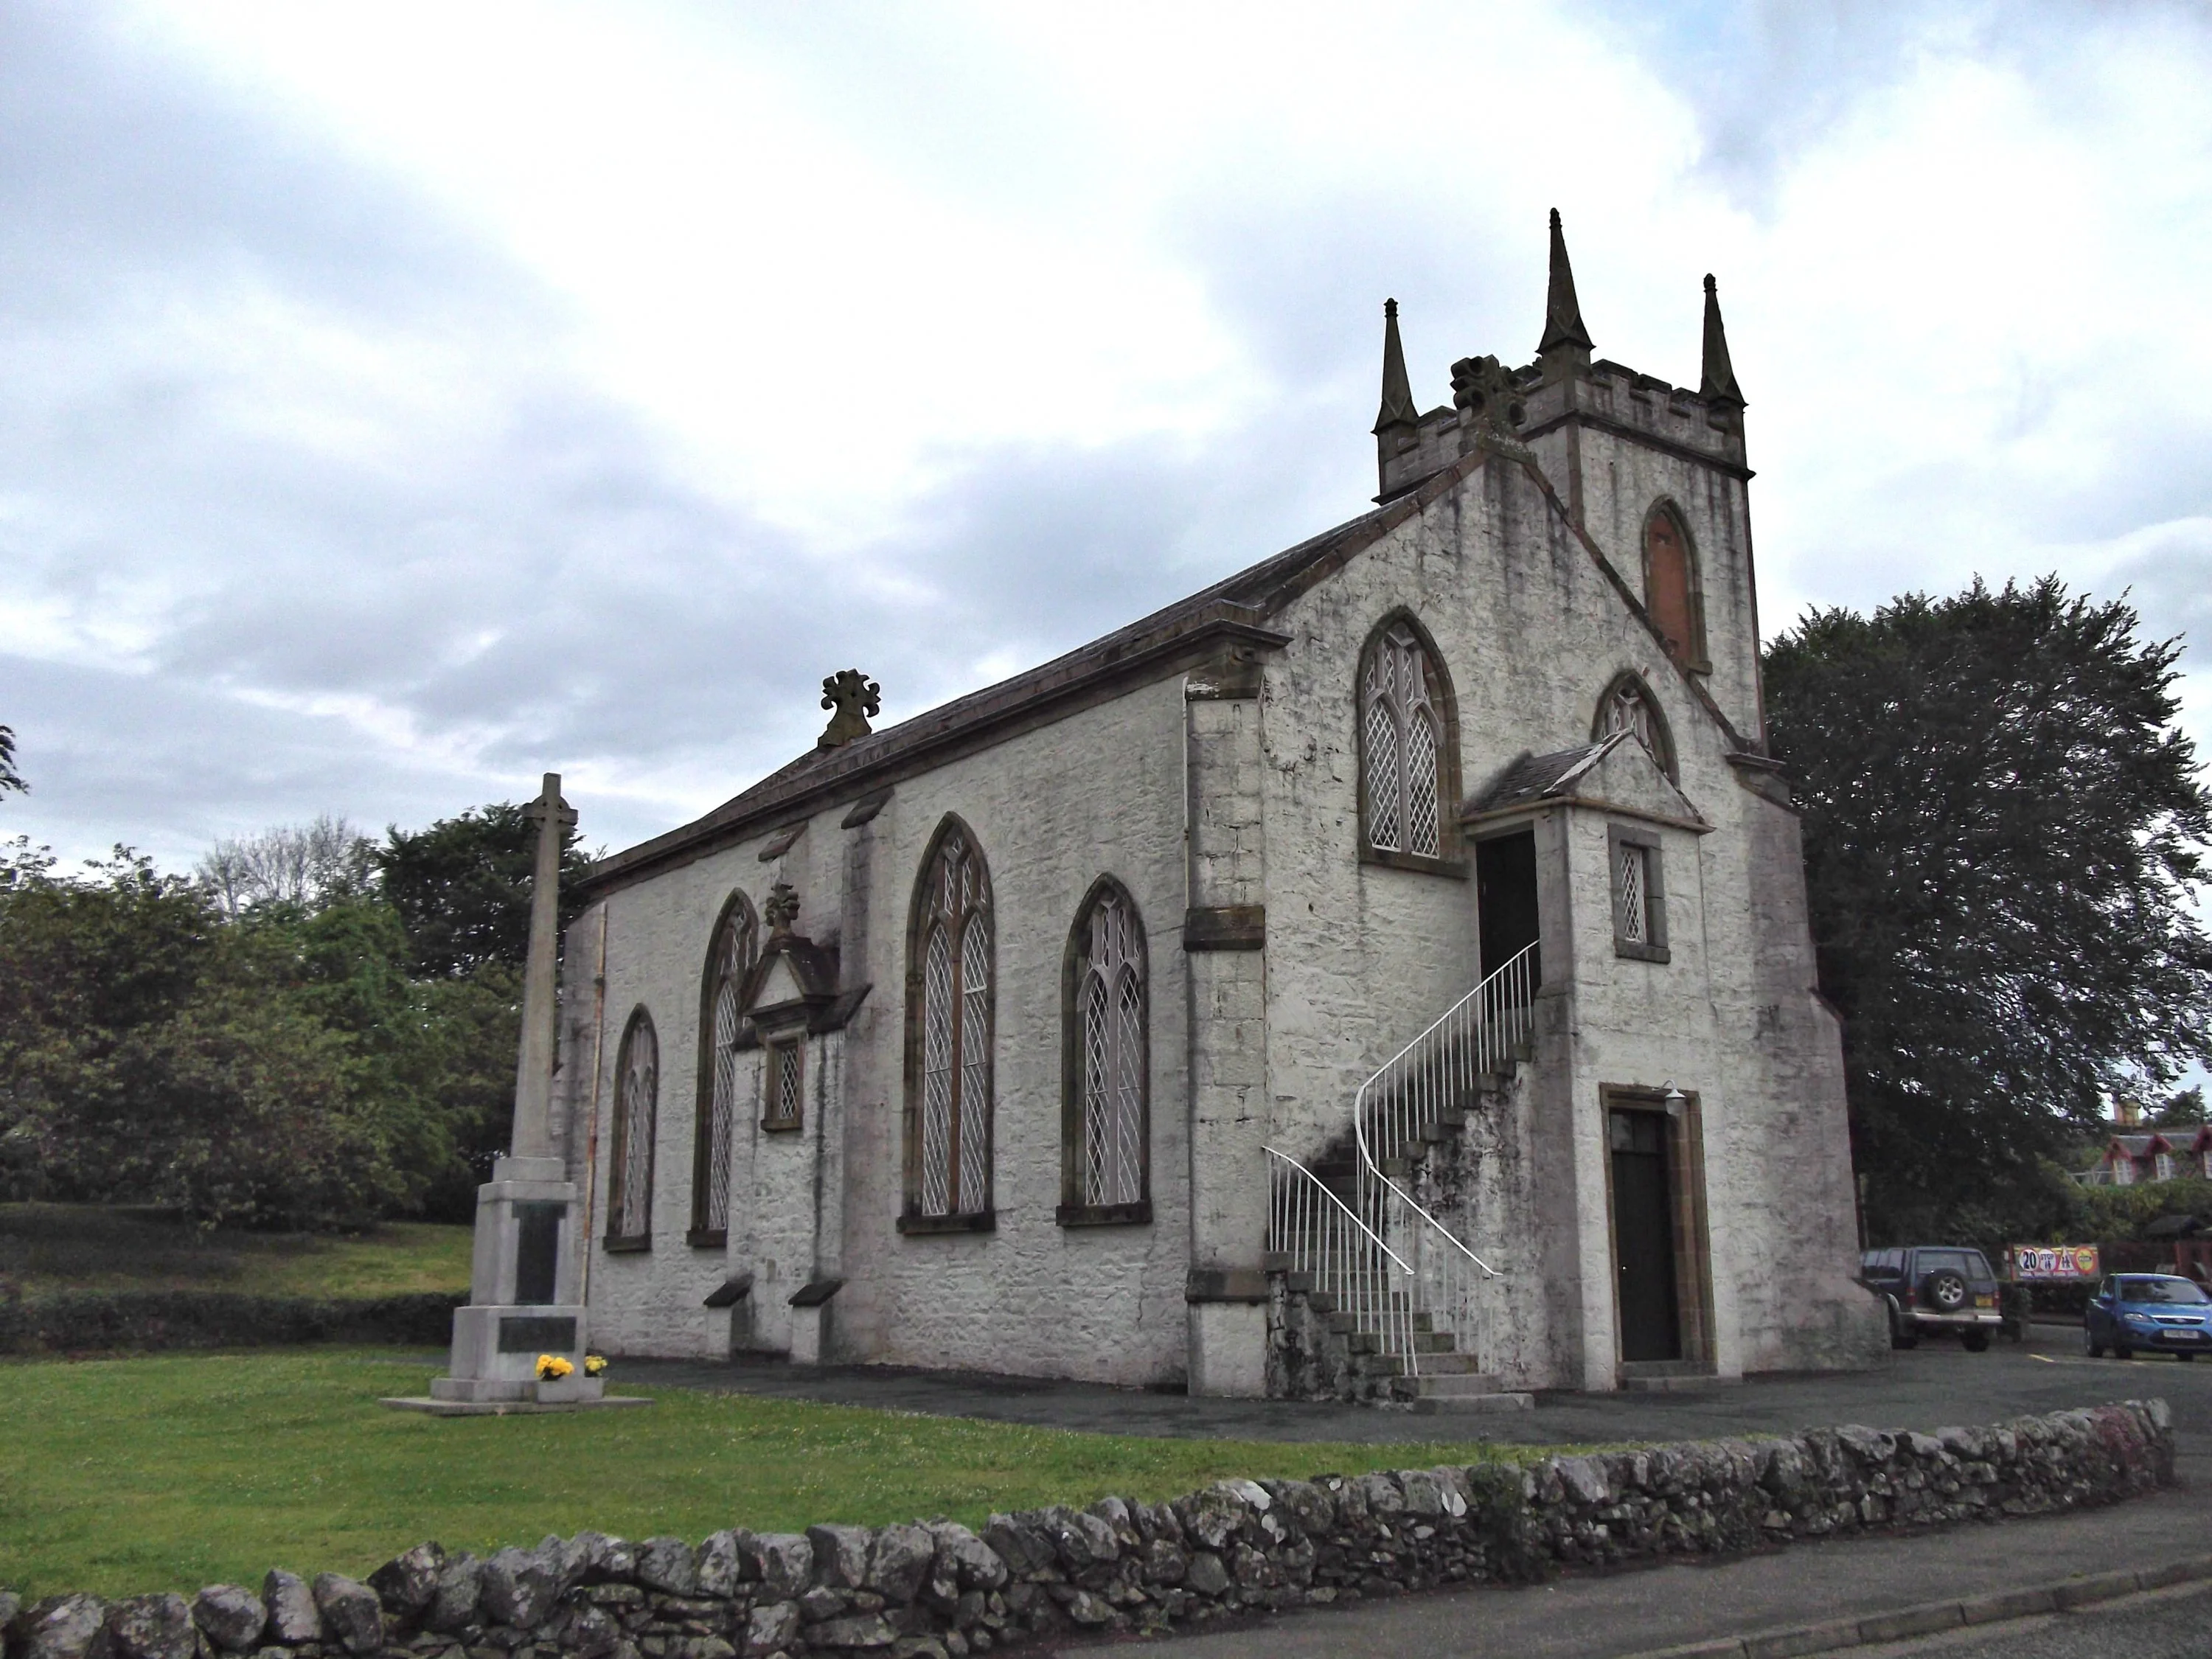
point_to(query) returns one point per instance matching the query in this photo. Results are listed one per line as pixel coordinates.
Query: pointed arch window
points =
(629, 1173)
(950, 1010)
(1673, 595)
(730, 956)
(1105, 1115)
(1409, 752)
(1628, 706)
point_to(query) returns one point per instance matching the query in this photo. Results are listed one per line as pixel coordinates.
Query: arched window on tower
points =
(729, 959)
(629, 1173)
(1672, 592)
(1629, 706)
(1408, 750)
(1105, 1118)
(949, 1020)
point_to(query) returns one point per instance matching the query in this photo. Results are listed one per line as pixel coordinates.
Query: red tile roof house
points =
(2132, 1159)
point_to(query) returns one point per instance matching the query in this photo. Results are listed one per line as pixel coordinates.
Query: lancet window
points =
(1671, 593)
(729, 959)
(637, 1097)
(1628, 706)
(950, 1012)
(1407, 748)
(1105, 1122)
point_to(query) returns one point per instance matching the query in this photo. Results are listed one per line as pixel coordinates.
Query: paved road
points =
(1600, 1617)
(2169, 1624)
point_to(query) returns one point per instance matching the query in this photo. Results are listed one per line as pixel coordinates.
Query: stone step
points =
(1669, 1377)
(1449, 1385)
(1505, 1399)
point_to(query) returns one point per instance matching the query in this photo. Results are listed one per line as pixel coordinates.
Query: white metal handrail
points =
(1416, 1092)
(1384, 1260)
(1317, 1233)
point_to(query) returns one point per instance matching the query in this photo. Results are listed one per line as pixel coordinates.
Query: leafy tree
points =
(2186, 1106)
(150, 1052)
(307, 864)
(9, 777)
(462, 887)
(2002, 829)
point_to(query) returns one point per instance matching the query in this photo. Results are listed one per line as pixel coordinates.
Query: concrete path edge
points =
(1932, 1618)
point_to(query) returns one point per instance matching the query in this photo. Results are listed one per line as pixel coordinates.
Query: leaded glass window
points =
(1635, 896)
(729, 959)
(1403, 745)
(1628, 706)
(637, 1097)
(787, 1078)
(1107, 1160)
(951, 1153)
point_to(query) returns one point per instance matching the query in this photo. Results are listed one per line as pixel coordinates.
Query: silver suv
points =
(1935, 1287)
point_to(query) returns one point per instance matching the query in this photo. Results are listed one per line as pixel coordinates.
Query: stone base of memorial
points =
(522, 1311)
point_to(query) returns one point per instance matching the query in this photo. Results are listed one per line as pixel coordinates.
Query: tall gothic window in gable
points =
(1105, 1121)
(1629, 706)
(950, 1010)
(729, 959)
(1671, 593)
(637, 1097)
(1408, 749)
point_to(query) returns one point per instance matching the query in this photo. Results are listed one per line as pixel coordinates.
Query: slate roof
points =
(1237, 608)
(1538, 777)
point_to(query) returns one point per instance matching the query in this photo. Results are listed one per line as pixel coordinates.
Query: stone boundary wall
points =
(939, 1590)
(78, 1321)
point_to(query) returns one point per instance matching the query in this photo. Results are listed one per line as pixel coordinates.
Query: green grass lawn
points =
(172, 1472)
(52, 1247)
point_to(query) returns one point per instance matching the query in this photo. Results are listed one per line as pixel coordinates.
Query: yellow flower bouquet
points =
(551, 1368)
(595, 1364)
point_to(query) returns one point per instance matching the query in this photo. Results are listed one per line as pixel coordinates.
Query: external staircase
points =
(1409, 1301)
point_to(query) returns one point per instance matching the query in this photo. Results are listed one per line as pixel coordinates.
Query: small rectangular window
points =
(1639, 893)
(787, 1078)
(2165, 1166)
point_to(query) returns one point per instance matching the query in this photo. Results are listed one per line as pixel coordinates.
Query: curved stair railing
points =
(1398, 1275)
(1311, 1231)
(1420, 1095)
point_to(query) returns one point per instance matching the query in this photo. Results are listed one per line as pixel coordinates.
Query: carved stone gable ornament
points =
(782, 908)
(1488, 396)
(855, 696)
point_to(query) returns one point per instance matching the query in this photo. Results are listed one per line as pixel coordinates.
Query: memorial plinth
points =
(524, 1299)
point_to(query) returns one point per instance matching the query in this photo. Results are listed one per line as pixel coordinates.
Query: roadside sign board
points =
(2053, 1262)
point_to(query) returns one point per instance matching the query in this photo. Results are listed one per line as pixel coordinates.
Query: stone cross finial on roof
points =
(855, 696)
(1565, 340)
(782, 908)
(1487, 390)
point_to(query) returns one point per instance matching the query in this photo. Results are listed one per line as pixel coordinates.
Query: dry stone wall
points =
(940, 1589)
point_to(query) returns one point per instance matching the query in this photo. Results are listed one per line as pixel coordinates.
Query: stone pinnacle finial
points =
(1397, 391)
(1716, 385)
(855, 696)
(1565, 340)
(782, 908)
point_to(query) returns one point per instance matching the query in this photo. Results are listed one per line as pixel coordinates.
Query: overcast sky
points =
(398, 402)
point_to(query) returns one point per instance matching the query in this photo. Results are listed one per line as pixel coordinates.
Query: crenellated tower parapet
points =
(1653, 473)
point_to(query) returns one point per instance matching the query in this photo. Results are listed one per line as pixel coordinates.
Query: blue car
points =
(2155, 1312)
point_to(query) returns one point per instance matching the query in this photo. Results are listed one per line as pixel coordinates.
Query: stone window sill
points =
(706, 1238)
(1455, 868)
(614, 1246)
(1622, 947)
(782, 1126)
(1104, 1215)
(980, 1221)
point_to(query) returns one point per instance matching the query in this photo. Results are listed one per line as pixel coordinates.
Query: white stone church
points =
(1384, 975)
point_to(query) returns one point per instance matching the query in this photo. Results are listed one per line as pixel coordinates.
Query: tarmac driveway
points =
(1933, 1385)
